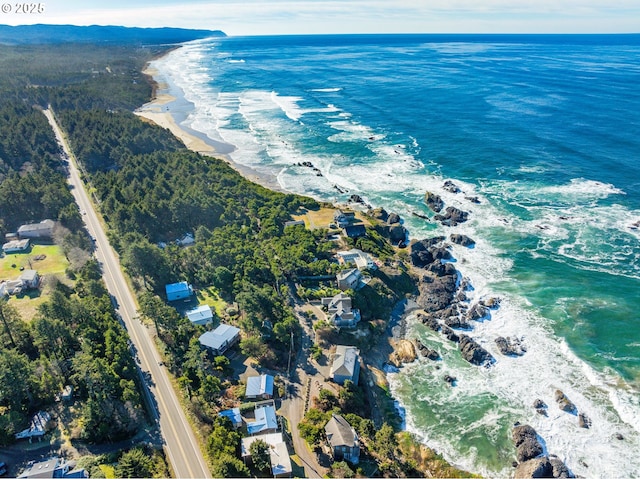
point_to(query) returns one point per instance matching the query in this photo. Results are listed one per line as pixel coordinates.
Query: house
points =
(348, 279)
(221, 338)
(259, 387)
(14, 286)
(30, 279)
(44, 229)
(201, 315)
(355, 256)
(278, 453)
(38, 427)
(354, 231)
(343, 440)
(186, 240)
(16, 246)
(346, 365)
(51, 468)
(339, 309)
(343, 218)
(176, 291)
(233, 415)
(266, 421)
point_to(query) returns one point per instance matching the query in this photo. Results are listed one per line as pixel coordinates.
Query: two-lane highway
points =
(181, 445)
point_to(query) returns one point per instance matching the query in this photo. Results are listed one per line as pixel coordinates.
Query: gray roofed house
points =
(340, 311)
(51, 468)
(44, 229)
(200, 315)
(348, 279)
(16, 246)
(30, 278)
(221, 338)
(343, 440)
(346, 365)
(278, 453)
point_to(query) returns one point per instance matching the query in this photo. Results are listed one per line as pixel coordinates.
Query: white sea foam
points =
(569, 221)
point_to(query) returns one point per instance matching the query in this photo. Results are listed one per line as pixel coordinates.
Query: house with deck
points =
(356, 257)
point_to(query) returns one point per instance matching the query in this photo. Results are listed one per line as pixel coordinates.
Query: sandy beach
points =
(158, 111)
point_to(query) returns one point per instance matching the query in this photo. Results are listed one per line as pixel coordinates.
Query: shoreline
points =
(158, 111)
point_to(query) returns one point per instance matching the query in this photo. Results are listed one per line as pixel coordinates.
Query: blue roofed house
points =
(220, 339)
(259, 387)
(265, 422)
(176, 291)
(201, 315)
(233, 415)
(346, 364)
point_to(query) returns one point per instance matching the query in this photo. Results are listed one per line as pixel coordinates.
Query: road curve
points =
(181, 446)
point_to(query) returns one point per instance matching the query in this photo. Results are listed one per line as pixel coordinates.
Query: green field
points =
(48, 260)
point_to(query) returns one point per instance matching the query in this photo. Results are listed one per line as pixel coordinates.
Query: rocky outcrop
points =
(434, 202)
(540, 406)
(564, 403)
(421, 254)
(436, 291)
(473, 352)
(559, 468)
(461, 239)
(540, 467)
(429, 321)
(477, 312)
(584, 420)
(491, 303)
(427, 352)
(451, 187)
(452, 216)
(510, 346)
(526, 441)
(450, 334)
(393, 218)
(397, 232)
(457, 322)
(380, 214)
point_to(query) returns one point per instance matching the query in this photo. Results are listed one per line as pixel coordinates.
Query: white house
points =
(278, 453)
(355, 256)
(220, 339)
(16, 246)
(201, 315)
(44, 229)
(30, 279)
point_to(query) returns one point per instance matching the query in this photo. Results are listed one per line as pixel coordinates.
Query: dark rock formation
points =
(393, 218)
(528, 450)
(449, 334)
(510, 346)
(450, 379)
(478, 311)
(440, 253)
(584, 420)
(564, 403)
(540, 406)
(462, 240)
(619, 436)
(436, 292)
(452, 216)
(472, 199)
(356, 199)
(540, 467)
(526, 441)
(380, 214)
(429, 321)
(457, 322)
(433, 201)
(491, 303)
(397, 232)
(451, 187)
(427, 352)
(473, 352)
(559, 468)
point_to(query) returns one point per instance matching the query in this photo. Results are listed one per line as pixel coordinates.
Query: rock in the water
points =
(540, 406)
(584, 420)
(393, 218)
(420, 254)
(457, 322)
(452, 216)
(619, 436)
(356, 199)
(429, 321)
(540, 467)
(478, 311)
(440, 253)
(462, 240)
(473, 352)
(450, 379)
(526, 441)
(564, 403)
(491, 303)
(472, 199)
(436, 292)
(510, 346)
(560, 469)
(433, 201)
(451, 187)
(449, 334)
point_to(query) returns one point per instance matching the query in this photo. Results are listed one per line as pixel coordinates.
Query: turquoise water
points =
(544, 130)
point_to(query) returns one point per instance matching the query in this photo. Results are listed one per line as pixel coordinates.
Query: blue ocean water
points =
(544, 130)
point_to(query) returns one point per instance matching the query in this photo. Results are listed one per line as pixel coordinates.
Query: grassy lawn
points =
(48, 260)
(321, 217)
(211, 297)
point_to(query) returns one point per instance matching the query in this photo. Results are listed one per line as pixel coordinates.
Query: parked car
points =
(3, 468)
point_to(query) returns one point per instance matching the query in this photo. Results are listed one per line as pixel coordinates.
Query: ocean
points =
(544, 130)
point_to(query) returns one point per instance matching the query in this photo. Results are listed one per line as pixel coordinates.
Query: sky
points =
(278, 17)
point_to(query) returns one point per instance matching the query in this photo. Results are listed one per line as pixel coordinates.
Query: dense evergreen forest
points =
(150, 190)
